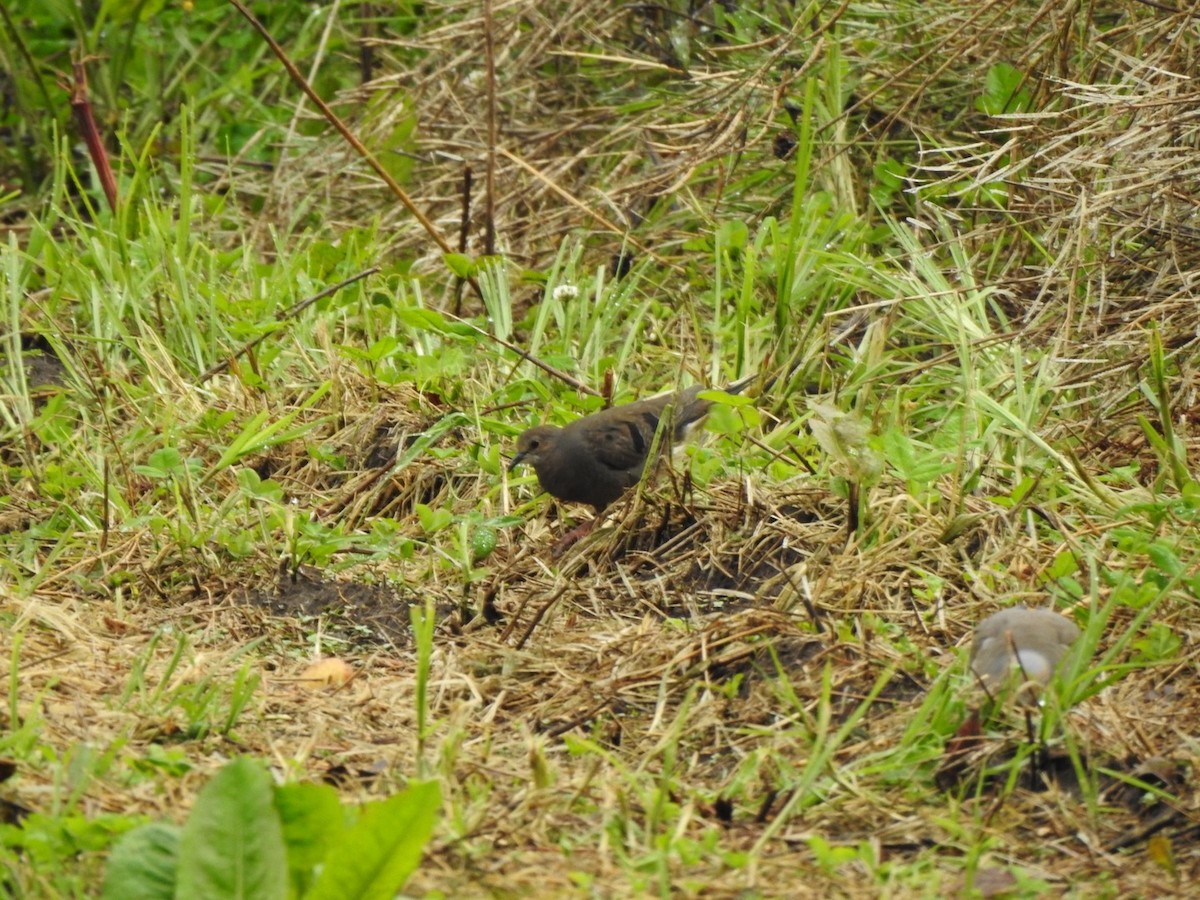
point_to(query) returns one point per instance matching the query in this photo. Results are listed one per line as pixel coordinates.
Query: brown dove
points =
(595, 459)
(1031, 642)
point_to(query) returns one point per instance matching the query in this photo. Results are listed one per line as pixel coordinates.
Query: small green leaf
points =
(1063, 564)
(1003, 91)
(163, 463)
(889, 179)
(726, 419)
(889, 173)
(461, 266)
(1159, 643)
(253, 485)
(1191, 494)
(1165, 559)
(378, 351)
(1024, 486)
(432, 519)
(422, 319)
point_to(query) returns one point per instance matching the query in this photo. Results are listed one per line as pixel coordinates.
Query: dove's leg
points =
(572, 537)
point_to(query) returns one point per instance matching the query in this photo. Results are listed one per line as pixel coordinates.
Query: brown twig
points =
(540, 614)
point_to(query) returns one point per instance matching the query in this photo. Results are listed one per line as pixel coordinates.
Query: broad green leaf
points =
(313, 821)
(383, 848)
(232, 844)
(142, 864)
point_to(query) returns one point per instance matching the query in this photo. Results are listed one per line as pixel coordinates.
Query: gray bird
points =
(1021, 640)
(595, 459)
